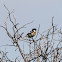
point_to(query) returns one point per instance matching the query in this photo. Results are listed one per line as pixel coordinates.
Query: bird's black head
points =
(33, 29)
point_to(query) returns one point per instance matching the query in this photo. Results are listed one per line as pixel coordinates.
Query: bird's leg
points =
(32, 38)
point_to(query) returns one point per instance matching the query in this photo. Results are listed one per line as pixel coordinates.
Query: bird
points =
(32, 33)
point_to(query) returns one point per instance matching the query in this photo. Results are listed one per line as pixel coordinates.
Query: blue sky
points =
(41, 11)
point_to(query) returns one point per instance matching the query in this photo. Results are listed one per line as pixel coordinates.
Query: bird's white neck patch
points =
(34, 31)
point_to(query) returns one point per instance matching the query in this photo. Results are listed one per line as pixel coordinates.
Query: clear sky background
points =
(41, 11)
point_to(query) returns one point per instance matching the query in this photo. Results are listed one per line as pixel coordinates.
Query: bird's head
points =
(34, 30)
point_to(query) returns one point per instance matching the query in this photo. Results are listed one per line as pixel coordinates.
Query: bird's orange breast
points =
(34, 33)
